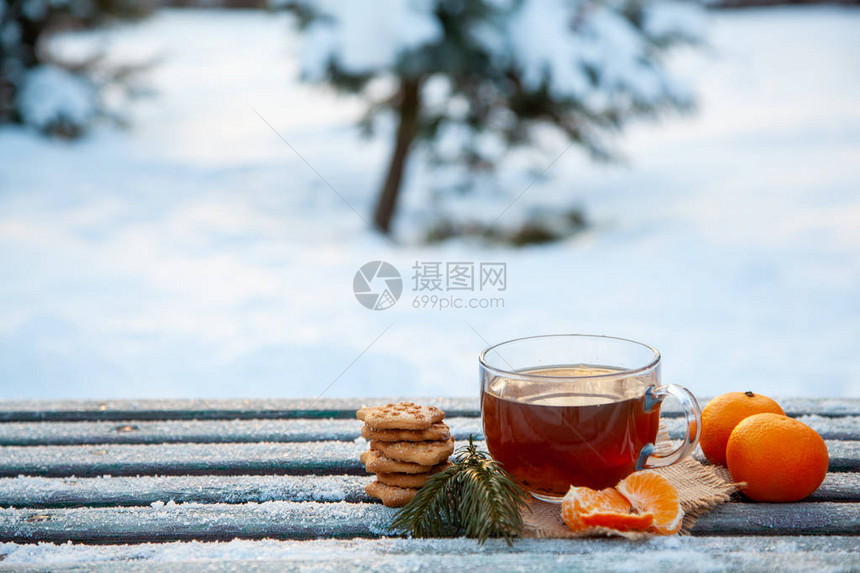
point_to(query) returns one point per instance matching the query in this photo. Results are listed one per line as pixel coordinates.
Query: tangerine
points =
(583, 508)
(723, 413)
(651, 493)
(780, 459)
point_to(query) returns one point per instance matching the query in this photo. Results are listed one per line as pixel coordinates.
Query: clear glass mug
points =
(575, 409)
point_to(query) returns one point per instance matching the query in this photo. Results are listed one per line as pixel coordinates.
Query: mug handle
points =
(649, 457)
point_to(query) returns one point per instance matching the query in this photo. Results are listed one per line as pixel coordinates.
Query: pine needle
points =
(475, 497)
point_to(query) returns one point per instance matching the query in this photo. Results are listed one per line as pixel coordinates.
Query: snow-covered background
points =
(197, 255)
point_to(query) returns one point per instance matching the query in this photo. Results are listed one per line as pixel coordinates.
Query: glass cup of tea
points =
(574, 409)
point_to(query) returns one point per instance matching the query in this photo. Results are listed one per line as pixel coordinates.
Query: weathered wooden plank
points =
(840, 428)
(323, 458)
(838, 487)
(824, 518)
(82, 410)
(225, 409)
(797, 553)
(290, 430)
(171, 522)
(198, 431)
(282, 519)
(40, 492)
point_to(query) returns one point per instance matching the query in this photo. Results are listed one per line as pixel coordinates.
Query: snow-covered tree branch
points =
(36, 89)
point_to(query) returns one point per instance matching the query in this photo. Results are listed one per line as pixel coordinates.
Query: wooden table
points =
(132, 483)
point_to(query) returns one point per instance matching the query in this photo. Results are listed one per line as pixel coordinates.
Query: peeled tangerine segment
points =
(649, 492)
(583, 508)
(619, 521)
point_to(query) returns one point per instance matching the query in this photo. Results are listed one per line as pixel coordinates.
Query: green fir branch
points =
(475, 497)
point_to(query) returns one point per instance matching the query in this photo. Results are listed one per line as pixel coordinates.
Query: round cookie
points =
(410, 480)
(390, 495)
(424, 453)
(375, 462)
(438, 431)
(403, 480)
(400, 416)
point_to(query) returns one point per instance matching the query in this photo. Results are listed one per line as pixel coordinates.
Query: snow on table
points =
(264, 504)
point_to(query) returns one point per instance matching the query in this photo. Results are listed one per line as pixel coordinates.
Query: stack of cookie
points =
(408, 444)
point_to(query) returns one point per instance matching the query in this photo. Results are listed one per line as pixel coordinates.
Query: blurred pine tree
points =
(498, 70)
(67, 96)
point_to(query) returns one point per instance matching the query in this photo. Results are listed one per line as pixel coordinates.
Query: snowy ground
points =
(197, 255)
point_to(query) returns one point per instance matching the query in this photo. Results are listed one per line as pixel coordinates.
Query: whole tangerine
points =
(723, 413)
(780, 459)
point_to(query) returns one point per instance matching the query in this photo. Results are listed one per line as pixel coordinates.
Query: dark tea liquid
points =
(550, 437)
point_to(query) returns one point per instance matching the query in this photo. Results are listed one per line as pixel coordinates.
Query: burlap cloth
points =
(700, 487)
